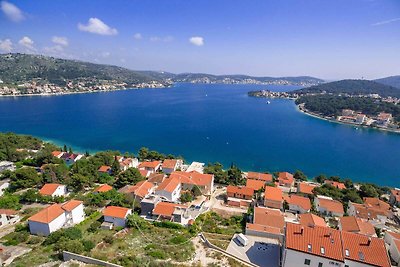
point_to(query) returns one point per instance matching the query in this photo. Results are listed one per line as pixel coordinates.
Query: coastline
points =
(312, 114)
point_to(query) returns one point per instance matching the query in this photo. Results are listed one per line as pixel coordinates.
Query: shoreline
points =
(312, 114)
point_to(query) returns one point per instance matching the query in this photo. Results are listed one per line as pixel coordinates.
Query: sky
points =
(329, 39)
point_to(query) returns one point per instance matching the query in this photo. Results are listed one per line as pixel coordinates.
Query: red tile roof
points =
(255, 184)
(194, 178)
(311, 239)
(369, 250)
(285, 178)
(269, 217)
(331, 205)
(335, 184)
(166, 209)
(104, 168)
(243, 190)
(369, 212)
(48, 214)
(357, 225)
(8, 211)
(396, 194)
(71, 205)
(263, 228)
(56, 153)
(273, 193)
(150, 164)
(141, 189)
(306, 188)
(169, 184)
(144, 173)
(48, 189)
(169, 163)
(103, 188)
(311, 220)
(376, 203)
(116, 212)
(303, 202)
(266, 177)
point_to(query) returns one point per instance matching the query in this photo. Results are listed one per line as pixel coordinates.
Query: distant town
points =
(111, 208)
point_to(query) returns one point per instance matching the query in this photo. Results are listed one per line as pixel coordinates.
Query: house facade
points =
(53, 190)
(8, 216)
(116, 215)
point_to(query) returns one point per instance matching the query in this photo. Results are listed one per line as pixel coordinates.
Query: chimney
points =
(369, 241)
(302, 230)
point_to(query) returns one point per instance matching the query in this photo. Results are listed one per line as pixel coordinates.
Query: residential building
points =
(103, 188)
(239, 196)
(298, 204)
(356, 225)
(305, 188)
(146, 173)
(171, 212)
(204, 182)
(328, 207)
(196, 166)
(148, 204)
(265, 177)
(384, 118)
(255, 184)
(311, 220)
(324, 246)
(395, 197)
(266, 223)
(169, 189)
(374, 210)
(105, 169)
(170, 165)
(361, 118)
(115, 216)
(156, 178)
(392, 240)
(138, 191)
(151, 166)
(347, 112)
(55, 217)
(7, 166)
(8, 216)
(126, 163)
(338, 185)
(273, 197)
(53, 190)
(286, 179)
(68, 158)
(3, 186)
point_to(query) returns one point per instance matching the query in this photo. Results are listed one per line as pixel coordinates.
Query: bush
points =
(170, 225)
(178, 240)
(158, 254)
(88, 245)
(94, 227)
(74, 246)
(21, 227)
(16, 238)
(34, 240)
(108, 239)
(73, 233)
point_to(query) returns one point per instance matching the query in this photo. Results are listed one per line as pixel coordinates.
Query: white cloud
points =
(138, 36)
(6, 45)
(55, 49)
(196, 40)
(385, 22)
(63, 41)
(161, 39)
(96, 26)
(27, 43)
(12, 11)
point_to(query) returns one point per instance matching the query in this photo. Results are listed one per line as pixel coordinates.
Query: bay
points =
(209, 123)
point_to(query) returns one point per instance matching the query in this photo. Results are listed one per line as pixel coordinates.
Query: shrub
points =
(73, 233)
(88, 245)
(16, 238)
(34, 240)
(94, 227)
(170, 225)
(178, 239)
(109, 239)
(158, 254)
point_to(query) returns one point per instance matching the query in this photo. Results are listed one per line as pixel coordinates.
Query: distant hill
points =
(353, 87)
(16, 68)
(391, 81)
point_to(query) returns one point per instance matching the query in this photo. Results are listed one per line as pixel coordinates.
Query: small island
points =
(357, 102)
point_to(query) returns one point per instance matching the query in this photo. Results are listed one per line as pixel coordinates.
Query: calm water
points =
(209, 123)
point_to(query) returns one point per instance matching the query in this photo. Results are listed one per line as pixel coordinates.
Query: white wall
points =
(292, 258)
(10, 220)
(57, 223)
(298, 209)
(37, 228)
(78, 214)
(60, 191)
(174, 196)
(3, 187)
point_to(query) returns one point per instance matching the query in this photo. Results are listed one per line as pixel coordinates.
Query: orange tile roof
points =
(243, 190)
(169, 184)
(331, 205)
(303, 202)
(156, 178)
(8, 211)
(273, 193)
(255, 184)
(357, 225)
(194, 178)
(396, 194)
(376, 203)
(56, 153)
(103, 188)
(104, 168)
(48, 214)
(71, 205)
(166, 208)
(368, 212)
(149, 164)
(144, 173)
(310, 219)
(338, 185)
(263, 228)
(285, 178)
(169, 163)
(269, 217)
(306, 188)
(48, 189)
(141, 189)
(260, 176)
(369, 250)
(116, 212)
(311, 239)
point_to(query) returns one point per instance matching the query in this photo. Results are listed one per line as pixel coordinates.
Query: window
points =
(347, 252)
(361, 256)
(307, 262)
(320, 264)
(309, 247)
(322, 250)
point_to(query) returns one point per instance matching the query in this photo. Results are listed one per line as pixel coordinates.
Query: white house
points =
(169, 189)
(116, 215)
(170, 165)
(7, 165)
(329, 207)
(53, 190)
(126, 163)
(55, 217)
(3, 186)
(393, 242)
(8, 216)
(299, 204)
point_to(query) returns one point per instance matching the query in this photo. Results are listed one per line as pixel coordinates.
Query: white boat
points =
(268, 102)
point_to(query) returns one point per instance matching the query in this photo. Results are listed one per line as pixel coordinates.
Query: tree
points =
(196, 191)
(368, 190)
(70, 150)
(8, 201)
(65, 148)
(129, 177)
(235, 176)
(25, 178)
(220, 176)
(186, 197)
(143, 153)
(320, 178)
(115, 168)
(78, 181)
(299, 175)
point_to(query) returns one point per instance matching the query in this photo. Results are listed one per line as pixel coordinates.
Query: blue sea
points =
(209, 123)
